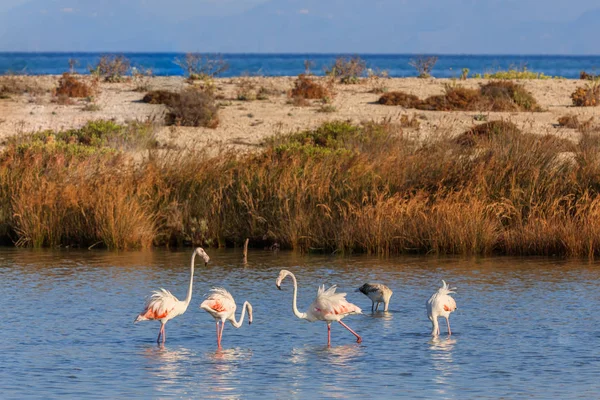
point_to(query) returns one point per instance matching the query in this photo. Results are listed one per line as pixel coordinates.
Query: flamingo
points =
(440, 304)
(221, 306)
(163, 306)
(378, 293)
(329, 306)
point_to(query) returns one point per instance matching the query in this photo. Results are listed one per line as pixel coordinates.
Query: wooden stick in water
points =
(246, 250)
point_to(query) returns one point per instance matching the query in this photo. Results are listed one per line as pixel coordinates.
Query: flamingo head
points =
(249, 314)
(200, 251)
(282, 274)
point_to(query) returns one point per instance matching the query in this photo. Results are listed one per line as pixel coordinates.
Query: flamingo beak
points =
(278, 287)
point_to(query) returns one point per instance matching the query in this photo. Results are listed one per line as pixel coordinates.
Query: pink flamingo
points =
(221, 306)
(163, 306)
(441, 304)
(329, 306)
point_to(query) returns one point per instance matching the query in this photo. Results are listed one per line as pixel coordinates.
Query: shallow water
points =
(523, 328)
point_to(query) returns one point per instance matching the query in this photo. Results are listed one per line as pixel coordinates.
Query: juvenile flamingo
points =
(329, 306)
(163, 306)
(221, 306)
(440, 304)
(378, 293)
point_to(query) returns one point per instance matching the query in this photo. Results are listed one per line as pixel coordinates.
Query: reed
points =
(341, 187)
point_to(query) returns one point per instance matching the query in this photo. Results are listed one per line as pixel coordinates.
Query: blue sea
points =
(397, 65)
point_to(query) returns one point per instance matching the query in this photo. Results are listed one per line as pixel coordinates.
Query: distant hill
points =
(373, 26)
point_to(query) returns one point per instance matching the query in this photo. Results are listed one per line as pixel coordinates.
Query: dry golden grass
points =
(340, 187)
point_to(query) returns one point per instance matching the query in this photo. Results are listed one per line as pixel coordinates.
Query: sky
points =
(303, 26)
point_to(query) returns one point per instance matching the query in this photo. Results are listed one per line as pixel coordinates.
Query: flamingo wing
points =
(159, 305)
(219, 301)
(332, 305)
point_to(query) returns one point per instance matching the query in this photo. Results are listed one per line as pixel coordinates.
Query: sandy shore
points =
(245, 124)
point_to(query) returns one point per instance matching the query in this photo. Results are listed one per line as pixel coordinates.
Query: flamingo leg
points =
(449, 331)
(328, 335)
(358, 338)
(377, 307)
(373, 307)
(161, 333)
(218, 337)
(221, 332)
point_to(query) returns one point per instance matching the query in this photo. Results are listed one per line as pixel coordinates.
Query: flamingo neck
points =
(237, 324)
(188, 298)
(297, 313)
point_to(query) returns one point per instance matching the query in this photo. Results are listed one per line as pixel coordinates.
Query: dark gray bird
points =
(378, 293)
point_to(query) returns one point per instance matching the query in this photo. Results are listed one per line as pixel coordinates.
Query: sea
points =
(396, 65)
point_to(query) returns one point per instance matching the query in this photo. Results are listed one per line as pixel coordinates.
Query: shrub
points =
(590, 77)
(572, 121)
(377, 78)
(348, 70)
(454, 98)
(399, 98)
(493, 96)
(193, 107)
(508, 96)
(91, 107)
(327, 108)
(202, 66)
(141, 78)
(246, 89)
(94, 135)
(306, 87)
(407, 122)
(588, 96)
(112, 68)
(18, 84)
(63, 100)
(569, 121)
(160, 97)
(70, 85)
(423, 65)
(515, 73)
(488, 130)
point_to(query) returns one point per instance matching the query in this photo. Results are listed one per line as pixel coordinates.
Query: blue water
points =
(524, 328)
(292, 64)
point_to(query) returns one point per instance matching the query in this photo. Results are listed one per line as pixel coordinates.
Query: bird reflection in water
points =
(324, 368)
(223, 370)
(441, 357)
(168, 365)
(385, 318)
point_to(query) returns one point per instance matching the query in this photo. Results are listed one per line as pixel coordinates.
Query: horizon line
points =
(303, 53)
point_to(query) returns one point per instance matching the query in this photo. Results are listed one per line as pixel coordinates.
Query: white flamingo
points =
(163, 306)
(378, 293)
(221, 305)
(440, 304)
(329, 306)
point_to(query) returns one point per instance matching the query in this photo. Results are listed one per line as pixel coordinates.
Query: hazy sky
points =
(367, 26)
